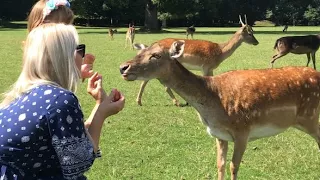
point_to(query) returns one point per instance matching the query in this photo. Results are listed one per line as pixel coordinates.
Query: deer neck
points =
(229, 47)
(192, 88)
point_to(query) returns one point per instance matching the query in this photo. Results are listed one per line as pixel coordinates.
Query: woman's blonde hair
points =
(49, 58)
(61, 15)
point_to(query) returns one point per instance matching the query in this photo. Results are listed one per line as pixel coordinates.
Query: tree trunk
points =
(151, 16)
(164, 23)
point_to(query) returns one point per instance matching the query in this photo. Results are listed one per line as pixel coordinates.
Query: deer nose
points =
(123, 68)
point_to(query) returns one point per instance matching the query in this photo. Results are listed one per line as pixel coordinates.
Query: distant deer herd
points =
(240, 105)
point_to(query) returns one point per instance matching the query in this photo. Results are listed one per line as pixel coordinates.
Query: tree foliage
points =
(179, 12)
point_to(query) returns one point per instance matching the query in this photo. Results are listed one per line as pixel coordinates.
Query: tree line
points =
(154, 14)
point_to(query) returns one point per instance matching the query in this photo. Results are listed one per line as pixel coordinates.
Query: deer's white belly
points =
(264, 131)
(219, 133)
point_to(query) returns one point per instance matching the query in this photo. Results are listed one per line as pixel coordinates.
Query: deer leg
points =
(240, 144)
(277, 56)
(207, 72)
(125, 43)
(174, 100)
(222, 150)
(308, 56)
(191, 36)
(313, 56)
(311, 127)
(142, 86)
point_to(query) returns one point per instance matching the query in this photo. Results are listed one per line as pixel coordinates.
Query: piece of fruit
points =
(116, 95)
(89, 59)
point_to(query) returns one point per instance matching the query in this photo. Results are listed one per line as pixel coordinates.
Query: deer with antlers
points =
(237, 106)
(130, 36)
(204, 55)
(297, 45)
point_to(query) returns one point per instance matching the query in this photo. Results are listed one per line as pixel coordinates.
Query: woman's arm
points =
(105, 107)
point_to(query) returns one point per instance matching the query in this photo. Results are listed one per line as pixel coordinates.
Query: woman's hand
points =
(87, 66)
(108, 105)
(113, 103)
(86, 71)
(95, 88)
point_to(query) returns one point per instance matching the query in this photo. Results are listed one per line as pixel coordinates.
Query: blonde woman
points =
(42, 133)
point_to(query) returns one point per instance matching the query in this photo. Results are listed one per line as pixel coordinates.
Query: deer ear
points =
(177, 48)
(139, 46)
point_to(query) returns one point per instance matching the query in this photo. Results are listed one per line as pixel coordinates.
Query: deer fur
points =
(204, 55)
(297, 45)
(237, 106)
(190, 31)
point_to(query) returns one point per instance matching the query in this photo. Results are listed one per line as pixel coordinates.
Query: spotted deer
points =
(130, 37)
(190, 31)
(111, 33)
(204, 55)
(237, 106)
(297, 45)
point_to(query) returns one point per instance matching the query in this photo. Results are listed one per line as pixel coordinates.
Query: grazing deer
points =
(237, 106)
(190, 31)
(297, 45)
(111, 32)
(204, 55)
(130, 36)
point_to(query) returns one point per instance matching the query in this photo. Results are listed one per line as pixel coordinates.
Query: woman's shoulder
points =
(56, 94)
(48, 89)
(47, 95)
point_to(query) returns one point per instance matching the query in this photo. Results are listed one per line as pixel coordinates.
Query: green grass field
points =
(161, 141)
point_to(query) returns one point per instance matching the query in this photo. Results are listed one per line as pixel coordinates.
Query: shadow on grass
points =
(8, 26)
(213, 32)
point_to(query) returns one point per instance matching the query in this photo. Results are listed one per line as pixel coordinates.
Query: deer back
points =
(298, 44)
(245, 91)
(196, 52)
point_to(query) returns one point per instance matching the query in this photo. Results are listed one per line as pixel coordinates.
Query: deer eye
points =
(155, 56)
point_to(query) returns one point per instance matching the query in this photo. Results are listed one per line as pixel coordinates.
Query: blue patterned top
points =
(42, 136)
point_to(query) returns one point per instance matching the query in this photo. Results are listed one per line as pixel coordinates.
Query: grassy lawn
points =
(161, 141)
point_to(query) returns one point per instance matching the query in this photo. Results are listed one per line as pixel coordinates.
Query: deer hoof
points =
(139, 102)
(271, 66)
(176, 103)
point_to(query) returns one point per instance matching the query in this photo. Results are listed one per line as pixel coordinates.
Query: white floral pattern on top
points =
(42, 136)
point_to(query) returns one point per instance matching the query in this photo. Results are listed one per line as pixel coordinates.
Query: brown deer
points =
(237, 106)
(111, 32)
(130, 36)
(297, 45)
(190, 31)
(204, 55)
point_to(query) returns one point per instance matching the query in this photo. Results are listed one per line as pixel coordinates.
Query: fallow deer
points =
(204, 55)
(237, 106)
(285, 28)
(130, 37)
(297, 45)
(190, 31)
(111, 33)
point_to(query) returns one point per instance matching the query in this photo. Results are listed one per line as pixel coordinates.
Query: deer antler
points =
(241, 20)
